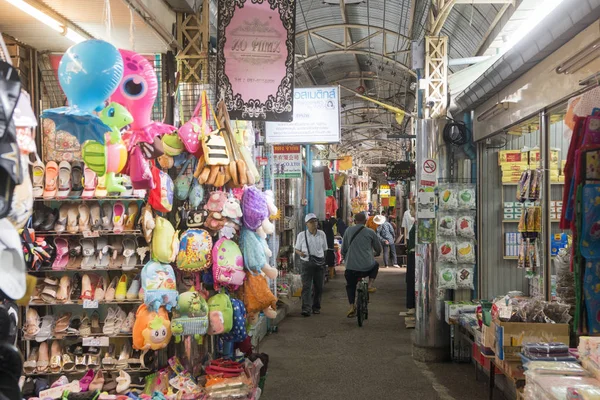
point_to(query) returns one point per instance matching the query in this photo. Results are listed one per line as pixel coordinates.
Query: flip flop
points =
(118, 217)
(84, 218)
(64, 290)
(101, 190)
(87, 247)
(62, 255)
(102, 250)
(107, 214)
(45, 332)
(72, 216)
(129, 253)
(50, 186)
(61, 222)
(42, 361)
(132, 214)
(38, 178)
(90, 180)
(76, 179)
(55, 357)
(64, 180)
(116, 257)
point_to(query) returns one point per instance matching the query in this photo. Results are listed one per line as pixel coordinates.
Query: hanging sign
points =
(384, 191)
(316, 118)
(287, 161)
(255, 58)
(262, 161)
(400, 170)
(428, 173)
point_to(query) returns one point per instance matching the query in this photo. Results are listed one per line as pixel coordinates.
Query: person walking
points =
(387, 237)
(410, 281)
(311, 246)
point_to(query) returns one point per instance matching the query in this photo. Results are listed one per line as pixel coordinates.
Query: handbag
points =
(191, 131)
(183, 182)
(318, 261)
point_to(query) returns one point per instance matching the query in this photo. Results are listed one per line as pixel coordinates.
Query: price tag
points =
(91, 234)
(101, 341)
(90, 304)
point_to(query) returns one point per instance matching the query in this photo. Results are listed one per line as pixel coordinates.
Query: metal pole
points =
(546, 236)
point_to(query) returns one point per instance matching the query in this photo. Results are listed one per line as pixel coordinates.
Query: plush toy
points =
(151, 330)
(258, 297)
(232, 208)
(256, 212)
(256, 254)
(216, 201)
(214, 222)
(271, 202)
(191, 316)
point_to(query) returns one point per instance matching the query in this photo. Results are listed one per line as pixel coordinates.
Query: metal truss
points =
(436, 75)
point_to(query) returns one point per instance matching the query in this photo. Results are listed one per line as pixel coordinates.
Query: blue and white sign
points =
(316, 118)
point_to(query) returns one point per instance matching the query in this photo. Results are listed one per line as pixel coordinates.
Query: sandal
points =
(50, 187)
(102, 250)
(129, 252)
(90, 180)
(74, 252)
(48, 294)
(84, 218)
(96, 220)
(87, 292)
(74, 325)
(62, 254)
(148, 223)
(110, 292)
(109, 362)
(110, 322)
(76, 287)
(116, 258)
(100, 288)
(62, 325)
(107, 213)
(132, 213)
(72, 219)
(61, 223)
(32, 323)
(101, 190)
(45, 332)
(38, 178)
(80, 362)
(64, 290)
(124, 357)
(120, 319)
(64, 180)
(76, 179)
(68, 364)
(30, 365)
(55, 357)
(96, 323)
(87, 247)
(93, 358)
(127, 326)
(42, 360)
(118, 217)
(135, 361)
(84, 328)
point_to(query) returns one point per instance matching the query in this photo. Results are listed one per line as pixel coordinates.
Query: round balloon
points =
(138, 88)
(89, 72)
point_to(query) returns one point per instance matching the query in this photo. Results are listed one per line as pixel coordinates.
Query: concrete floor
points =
(329, 357)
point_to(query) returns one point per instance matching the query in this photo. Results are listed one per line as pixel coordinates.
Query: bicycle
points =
(362, 300)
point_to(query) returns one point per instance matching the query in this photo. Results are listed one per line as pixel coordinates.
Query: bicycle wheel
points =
(359, 307)
(365, 308)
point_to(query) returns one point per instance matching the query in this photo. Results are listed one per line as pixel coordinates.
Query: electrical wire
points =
(456, 133)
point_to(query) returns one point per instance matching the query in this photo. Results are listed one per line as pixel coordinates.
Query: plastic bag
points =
(466, 198)
(446, 277)
(448, 198)
(464, 278)
(465, 252)
(447, 226)
(447, 251)
(465, 226)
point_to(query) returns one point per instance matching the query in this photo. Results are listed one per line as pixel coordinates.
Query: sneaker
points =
(316, 311)
(306, 313)
(372, 290)
(411, 311)
(352, 312)
(396, 266)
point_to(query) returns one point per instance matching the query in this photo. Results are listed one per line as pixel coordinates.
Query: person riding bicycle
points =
(360, 246)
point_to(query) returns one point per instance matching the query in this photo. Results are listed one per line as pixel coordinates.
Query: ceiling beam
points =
(326, 40)
(438, 13)
(347, 34)
(350, 26)
(366, 38)
(493, 25)
(355, 52)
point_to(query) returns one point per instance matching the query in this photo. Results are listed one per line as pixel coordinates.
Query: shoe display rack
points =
(87, 255)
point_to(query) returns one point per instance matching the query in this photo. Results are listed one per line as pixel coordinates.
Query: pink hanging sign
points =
(255, 58)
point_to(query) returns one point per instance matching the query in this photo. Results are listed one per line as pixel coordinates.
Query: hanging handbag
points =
(191, 131)
(318, 261)
(183, 181)
(161, 197)
(139, 170)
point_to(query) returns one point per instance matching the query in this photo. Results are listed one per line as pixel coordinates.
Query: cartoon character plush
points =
(256, 212)
(151, 330)
(232, 208)
(191, 316)
(214, 222)
(216, 201)
(257, 254)
(271, 202)
(258, 297)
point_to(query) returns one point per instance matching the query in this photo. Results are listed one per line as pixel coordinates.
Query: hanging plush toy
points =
(190, 317)
(152, 329)
(89, 72)
(137, 91)
(256, 212)
(109, 159)
(256, 254)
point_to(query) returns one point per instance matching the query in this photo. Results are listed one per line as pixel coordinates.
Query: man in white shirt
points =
(311, 246)
(408, 219)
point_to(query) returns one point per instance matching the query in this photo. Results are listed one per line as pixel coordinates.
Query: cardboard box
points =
(510, 336)
(508, 216)
(509, 204)
(455, 308)
(558, 203)
(512, 157)
(509, 210)
(489, 336)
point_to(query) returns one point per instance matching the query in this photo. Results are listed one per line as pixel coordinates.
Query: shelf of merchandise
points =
(112, 198)
(128, 370)
(53, 271)
(121, 335)
(516, 221)
(80, 303)
(91, 235)
(517, 183)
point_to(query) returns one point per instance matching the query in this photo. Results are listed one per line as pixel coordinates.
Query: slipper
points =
(68, 363)
(121, 291)
(107, 213)
(132, 214)
(62, 325)
(84, 218)
(48, 294)
(32, 323)
(84, 383)
(50, 186)
(38, 178)
(87, 247)
(45, 332)
(30, 365)
(128, 186)
(95, 213)
(109, 326)
(62, 255)
(127, 326)
(148, 222)
(90, 180)
(50, 220)
(61, 223)
(118, 217)
(87, 293)
(100, 290)
(55, 357)
(134, 289)
(93, 358)
(110, 292)
(76, 287)
(76, 179)
(98, 381)
(64, 180)
(96, 322)
(102, 250)
(124, 357)
(64, 292)
(74, 325)
(72, 216)
(85, 329)
(124, 380)
(129, 253)
(101, 190)
(42, 361)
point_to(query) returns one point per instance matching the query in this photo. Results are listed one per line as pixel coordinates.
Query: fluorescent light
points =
(543, 9)
(47, 20)
(580, 60)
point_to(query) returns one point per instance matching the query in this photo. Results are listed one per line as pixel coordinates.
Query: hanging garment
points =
(331, 206)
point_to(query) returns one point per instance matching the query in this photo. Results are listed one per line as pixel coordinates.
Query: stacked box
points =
(512, 241)
(512, 210)
(512, 164)
(555, 209)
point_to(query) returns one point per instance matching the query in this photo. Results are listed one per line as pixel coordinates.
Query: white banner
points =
(316, 118)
